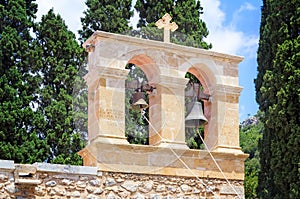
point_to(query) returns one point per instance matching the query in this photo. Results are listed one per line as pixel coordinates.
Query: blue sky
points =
(233, 28)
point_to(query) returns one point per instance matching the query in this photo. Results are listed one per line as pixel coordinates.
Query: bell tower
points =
(165, 65)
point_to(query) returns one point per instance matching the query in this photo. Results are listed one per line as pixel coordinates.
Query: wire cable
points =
(218, 166)
(178, 157)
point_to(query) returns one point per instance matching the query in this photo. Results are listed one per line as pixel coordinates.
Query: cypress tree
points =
(278, 95)
(20, 122)
(109, 16)
(186, 13)
(61, 59)
(151, 11)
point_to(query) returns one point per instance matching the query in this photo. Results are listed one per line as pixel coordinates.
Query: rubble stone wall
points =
(43, 180)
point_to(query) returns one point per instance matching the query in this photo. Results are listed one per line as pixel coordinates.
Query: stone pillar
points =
(224, 126)
(167, 114)
(106, 98)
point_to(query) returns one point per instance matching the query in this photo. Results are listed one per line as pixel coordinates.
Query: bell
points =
(195, 118)
(138, 101)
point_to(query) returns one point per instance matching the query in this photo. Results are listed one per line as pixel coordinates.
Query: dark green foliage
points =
(61, 58)
(279, 21)
(193, 139)
(282, 118)
(109, 16)
(191, 29)
(278, 95)
(148, 32)
(21, 140)
(249, 137)
(151, 11)
(38, 78)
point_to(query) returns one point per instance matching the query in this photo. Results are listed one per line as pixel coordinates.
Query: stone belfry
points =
(165, 65)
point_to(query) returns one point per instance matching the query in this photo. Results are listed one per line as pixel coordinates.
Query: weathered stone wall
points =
(43, 180)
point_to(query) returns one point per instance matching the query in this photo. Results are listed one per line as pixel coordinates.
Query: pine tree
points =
(186, 13)
(20, 137)
(109, 16)
(61, 59)
(278, 95)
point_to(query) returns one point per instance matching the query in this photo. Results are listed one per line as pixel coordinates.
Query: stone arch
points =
(207, 73)
(205, 70)
(148, 65)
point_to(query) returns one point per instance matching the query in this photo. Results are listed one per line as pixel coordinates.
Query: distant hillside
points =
(253, 120)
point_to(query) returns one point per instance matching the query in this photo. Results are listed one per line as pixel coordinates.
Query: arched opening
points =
(195, 101)
(141, 79)
(136, 125)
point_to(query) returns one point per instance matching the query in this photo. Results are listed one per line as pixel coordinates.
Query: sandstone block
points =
(231, 190)
(7, 164)
(83, 170)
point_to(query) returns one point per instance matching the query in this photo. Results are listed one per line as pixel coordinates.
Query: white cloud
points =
(213, 15)
(242, 112)
(135, 18)
(237, 14)
(70, 10)
(246, 6)
(227, 38)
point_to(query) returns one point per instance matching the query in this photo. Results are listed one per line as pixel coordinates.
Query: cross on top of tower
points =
(164, 22)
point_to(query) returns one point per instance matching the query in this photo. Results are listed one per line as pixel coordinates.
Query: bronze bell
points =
(138, 101)
(195, 118)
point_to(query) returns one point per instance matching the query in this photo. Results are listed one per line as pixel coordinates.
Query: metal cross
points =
(164, 22)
